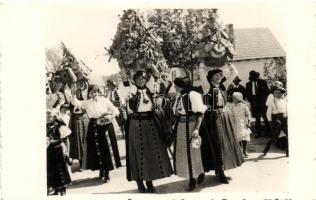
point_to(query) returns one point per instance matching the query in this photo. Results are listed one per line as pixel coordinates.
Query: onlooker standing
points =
(235, 86)
(257, 91)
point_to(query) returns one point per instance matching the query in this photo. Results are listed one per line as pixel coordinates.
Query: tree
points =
(275, 70)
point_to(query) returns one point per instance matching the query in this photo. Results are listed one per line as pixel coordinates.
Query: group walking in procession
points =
(170, 125)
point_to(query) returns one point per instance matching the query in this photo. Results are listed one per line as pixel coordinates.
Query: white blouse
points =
(197, 105)
(96, 108)
(277, 106)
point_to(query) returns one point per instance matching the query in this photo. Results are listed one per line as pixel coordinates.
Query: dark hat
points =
(211, 73)
(237, 79)
(110, 83)
(253, 75)
(93, 88)
(139, 73)
(278, 87)
(182, 82)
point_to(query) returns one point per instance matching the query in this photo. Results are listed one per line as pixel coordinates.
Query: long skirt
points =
(114, 146)
(148, 156)
(57, 173)
(77, 138)
(98, 151)
(221, 130)
(188, 160)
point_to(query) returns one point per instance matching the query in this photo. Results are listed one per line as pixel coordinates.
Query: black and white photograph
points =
(162, 101)
(165, 101)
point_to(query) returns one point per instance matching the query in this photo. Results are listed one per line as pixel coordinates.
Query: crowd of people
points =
(202, 132)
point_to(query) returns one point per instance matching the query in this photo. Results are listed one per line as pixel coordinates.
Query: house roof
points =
(254, 43)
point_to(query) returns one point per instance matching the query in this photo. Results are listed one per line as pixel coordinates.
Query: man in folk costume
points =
(100, 112)
(235, 86)
(220, 125)
(117, 101)
(147, 157)
(257, 92)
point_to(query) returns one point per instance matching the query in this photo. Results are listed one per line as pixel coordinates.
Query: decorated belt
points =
(142, 115)
(183, 118)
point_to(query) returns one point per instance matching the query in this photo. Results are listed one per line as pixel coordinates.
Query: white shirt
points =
(277, 106)
(96, 108)
(253, 87)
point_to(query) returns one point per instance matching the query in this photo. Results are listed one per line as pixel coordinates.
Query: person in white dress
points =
(242, 116)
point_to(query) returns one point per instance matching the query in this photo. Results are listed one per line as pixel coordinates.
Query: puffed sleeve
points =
(197, 105)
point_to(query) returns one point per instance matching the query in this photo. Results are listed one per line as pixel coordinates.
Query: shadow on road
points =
(87, 182)
(177, 187)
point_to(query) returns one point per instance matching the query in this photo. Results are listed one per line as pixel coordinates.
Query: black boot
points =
(201, 178)
(56, 191)
(244, 147)
(192, 184)
(62, 191)
(106, 176)
(141, 186)
(101, 174)
(221, 176)
(150, 187)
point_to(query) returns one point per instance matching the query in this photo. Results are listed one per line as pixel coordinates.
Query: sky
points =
(86, 31)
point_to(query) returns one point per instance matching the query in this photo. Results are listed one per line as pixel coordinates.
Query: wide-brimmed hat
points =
(237, 79)
(211, 73)
(277, 83)
(278, 87)
(182, 82)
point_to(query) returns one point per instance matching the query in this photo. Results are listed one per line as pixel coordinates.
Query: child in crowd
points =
(242, 115)
(57, 173)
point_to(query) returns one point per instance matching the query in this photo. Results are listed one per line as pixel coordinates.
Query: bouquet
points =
(136, 47)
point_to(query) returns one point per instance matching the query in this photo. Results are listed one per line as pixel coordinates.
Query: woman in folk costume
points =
(147, 159)
(57, 174)
(100, 112)
(79, 125)
(189, 109)
(220, 126)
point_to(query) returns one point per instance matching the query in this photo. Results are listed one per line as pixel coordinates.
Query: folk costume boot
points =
(192, 184)
(201, 178)
(141, 186)
(62, 191)
(106, 176)
(221, 175)
(150, 187)
(101, 174)
(244, 147)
